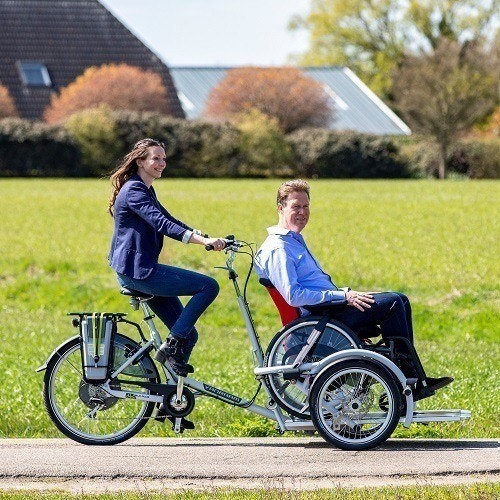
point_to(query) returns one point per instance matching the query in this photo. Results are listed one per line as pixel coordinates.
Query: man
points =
(285, 260)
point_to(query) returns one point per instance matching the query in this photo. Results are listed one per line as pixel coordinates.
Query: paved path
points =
(185, 463)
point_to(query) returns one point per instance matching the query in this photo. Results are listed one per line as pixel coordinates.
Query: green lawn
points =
(436, 241)
(485, 491)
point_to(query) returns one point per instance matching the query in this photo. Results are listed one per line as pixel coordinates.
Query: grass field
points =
(485, 491)
(436, 241)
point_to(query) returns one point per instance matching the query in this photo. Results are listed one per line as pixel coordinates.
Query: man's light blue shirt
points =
(285, 260)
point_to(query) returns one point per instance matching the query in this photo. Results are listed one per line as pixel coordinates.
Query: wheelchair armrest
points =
(323, 308)
(265, 282)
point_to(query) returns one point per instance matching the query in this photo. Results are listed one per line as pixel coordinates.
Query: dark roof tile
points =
(67, 36)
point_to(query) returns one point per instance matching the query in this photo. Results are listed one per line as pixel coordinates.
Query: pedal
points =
(185, 425)
(177, 428)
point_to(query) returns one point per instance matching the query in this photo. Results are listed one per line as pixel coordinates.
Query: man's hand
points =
(359, 300)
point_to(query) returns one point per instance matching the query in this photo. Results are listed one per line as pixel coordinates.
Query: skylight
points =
(34, 74)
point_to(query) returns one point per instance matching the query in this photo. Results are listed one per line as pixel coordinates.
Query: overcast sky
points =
(215, 32)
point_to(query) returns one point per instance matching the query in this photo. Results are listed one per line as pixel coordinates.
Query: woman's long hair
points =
(128, 167)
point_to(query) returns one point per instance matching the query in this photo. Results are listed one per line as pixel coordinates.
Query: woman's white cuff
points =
(187, 236)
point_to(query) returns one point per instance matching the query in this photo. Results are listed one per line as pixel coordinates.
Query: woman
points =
(141, 222)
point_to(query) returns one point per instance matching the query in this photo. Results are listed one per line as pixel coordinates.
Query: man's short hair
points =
(291, 187)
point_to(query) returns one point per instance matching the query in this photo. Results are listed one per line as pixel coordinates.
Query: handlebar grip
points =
(229, 240)
(211, 247)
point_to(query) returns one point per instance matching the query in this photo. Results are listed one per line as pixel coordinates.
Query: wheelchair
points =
(291, 389)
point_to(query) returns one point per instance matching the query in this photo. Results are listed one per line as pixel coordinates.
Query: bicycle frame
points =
(272, 412)
(174, 395)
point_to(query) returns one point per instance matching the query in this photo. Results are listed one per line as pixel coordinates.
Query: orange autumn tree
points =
(284, 93)
(7, 106)
(120, 86)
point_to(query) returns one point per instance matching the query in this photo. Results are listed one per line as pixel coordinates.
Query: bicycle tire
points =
(282, 350)
(72, 403)
(355, 404)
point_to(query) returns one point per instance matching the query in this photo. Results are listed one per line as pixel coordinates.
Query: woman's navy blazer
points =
(140, 224)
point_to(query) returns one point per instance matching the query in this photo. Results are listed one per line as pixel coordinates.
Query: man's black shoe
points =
(433, 384)
(422, 393)
(438, 383)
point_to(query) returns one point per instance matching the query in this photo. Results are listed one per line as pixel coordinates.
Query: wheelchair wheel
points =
(87, 413)
(283, 350)
(355, 405)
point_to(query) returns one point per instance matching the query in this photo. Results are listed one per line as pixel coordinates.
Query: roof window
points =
(34, 74)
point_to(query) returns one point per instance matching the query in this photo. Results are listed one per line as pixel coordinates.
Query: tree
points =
(445, 92)
(7, 106)
(284, 93)
(372, 36)
(120, 86)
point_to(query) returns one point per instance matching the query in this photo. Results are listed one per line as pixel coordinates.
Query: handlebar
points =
(230, 244)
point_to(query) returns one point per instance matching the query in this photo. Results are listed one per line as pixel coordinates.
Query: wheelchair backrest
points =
(287, 312)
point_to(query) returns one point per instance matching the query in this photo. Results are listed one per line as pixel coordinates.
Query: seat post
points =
(148, 318)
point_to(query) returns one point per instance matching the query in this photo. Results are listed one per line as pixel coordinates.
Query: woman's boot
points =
(172, 350)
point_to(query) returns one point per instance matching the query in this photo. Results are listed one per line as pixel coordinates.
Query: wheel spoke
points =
(345, 406)
(284, 349)
(88, 412)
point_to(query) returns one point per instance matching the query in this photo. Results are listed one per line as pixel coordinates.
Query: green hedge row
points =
(32, 149)
(90, 143)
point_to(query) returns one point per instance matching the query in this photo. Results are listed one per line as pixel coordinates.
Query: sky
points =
(215, 32)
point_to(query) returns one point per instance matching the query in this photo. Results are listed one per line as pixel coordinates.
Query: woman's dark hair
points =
(128, 167)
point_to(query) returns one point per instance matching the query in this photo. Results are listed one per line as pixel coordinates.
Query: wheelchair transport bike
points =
(101, 387)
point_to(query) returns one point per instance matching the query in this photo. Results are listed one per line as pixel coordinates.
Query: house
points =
(356, 107)
(46, 44)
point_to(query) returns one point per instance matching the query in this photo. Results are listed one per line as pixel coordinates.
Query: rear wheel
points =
(291, 395)
(355, 405)
(87, 412)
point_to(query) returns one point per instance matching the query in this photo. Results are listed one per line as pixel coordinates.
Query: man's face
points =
(294, 214)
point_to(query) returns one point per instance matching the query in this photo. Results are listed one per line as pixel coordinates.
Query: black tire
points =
(72, 403)
(345, 403)
(285, 346)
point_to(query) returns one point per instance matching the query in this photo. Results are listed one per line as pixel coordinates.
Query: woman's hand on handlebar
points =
(216, 244)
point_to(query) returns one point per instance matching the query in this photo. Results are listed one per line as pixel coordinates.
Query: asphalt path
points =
(290, 463)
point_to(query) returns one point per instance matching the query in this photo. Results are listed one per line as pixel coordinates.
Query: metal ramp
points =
(420, 416)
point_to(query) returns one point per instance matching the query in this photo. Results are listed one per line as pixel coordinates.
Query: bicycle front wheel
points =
(87, 413)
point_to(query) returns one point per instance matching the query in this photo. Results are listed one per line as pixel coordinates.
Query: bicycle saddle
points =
(135, 293)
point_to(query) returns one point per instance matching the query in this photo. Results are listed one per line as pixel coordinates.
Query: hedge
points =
(91, 143)
(472, 158)
(33, 149)
(324, 153)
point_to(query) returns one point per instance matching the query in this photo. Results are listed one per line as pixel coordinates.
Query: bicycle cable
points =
(251, 254)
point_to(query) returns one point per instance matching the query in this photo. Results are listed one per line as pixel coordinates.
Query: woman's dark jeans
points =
(167, 284)
(391, 311)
